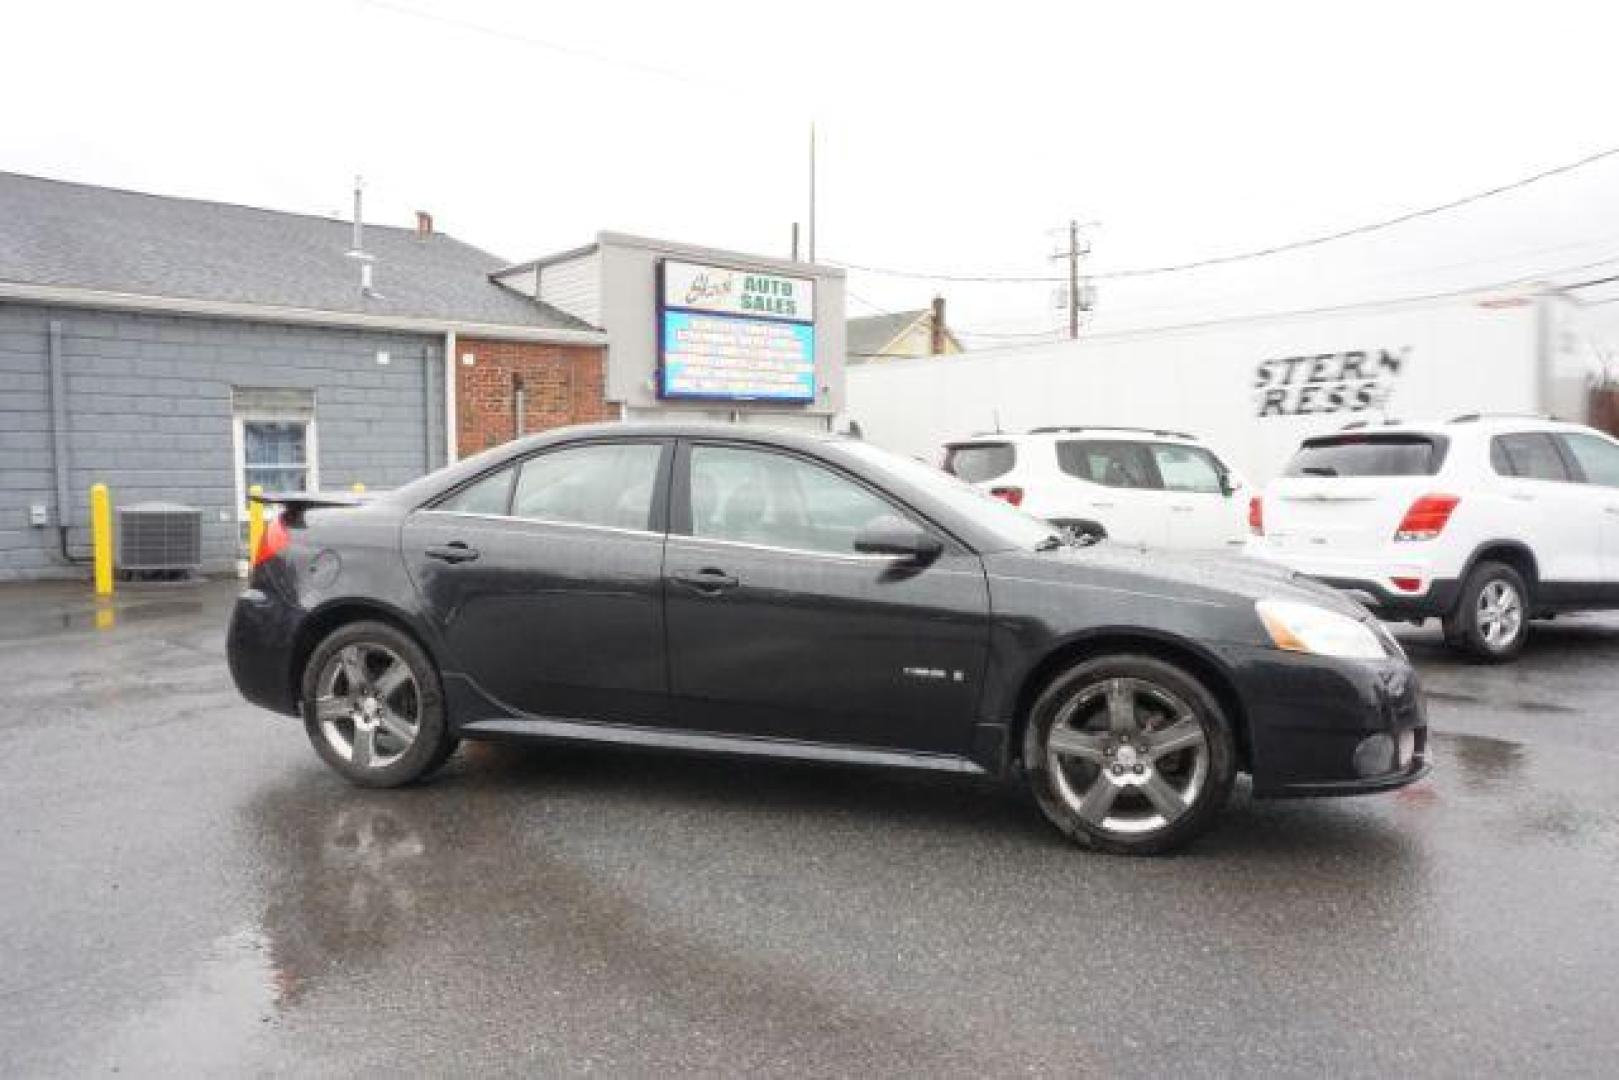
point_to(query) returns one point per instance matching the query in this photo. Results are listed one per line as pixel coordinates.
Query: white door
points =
(1562, 519)
(1203, 512)
(1116, 483)
(1597, 457)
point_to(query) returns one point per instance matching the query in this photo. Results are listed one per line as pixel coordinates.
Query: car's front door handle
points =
(1523, 496)
(1102, 505)
(456, 551)
(709, 581)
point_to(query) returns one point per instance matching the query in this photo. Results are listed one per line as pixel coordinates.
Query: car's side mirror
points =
(1228, 484)
(890, 535)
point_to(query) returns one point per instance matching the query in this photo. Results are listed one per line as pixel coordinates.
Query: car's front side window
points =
(1598, 458)
(759, 497)
(1188, 469)
(609, 484)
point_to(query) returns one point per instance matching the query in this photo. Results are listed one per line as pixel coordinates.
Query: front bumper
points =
(1318, 725)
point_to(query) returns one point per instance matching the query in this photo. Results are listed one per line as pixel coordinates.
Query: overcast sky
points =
(952, 138)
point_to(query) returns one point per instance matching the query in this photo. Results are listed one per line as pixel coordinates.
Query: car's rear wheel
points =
(1129, 754)
(1491, 619)
(373, 707)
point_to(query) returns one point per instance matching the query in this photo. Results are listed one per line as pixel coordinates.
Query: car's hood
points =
(1203, 578)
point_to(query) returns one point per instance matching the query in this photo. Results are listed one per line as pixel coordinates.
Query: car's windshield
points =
(1011, 525)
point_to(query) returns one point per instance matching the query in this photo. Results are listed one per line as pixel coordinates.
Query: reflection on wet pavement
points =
(190, 891)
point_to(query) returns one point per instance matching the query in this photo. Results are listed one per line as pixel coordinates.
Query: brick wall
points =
(562, 385)
(150, 414)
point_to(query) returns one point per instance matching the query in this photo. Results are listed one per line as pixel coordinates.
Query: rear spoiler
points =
(294, 503)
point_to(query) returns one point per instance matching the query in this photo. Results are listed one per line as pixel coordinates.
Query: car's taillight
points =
(1256, 516)
(1427, 517)
(1013, 495)
(273, 542)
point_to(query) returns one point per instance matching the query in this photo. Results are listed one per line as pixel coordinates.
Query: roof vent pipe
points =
(357, 251)
(424, 224)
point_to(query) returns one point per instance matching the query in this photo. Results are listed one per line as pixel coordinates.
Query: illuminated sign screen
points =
(734, 335)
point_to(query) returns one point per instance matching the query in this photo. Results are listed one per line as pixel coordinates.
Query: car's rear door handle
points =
(1522, 496)
(1103, 505)
(456, 551)
(709, 581)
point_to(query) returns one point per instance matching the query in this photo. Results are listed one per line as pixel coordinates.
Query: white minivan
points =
(1485, 522)
(1136, 486)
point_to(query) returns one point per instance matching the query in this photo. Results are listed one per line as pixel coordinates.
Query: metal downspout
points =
(59, 462)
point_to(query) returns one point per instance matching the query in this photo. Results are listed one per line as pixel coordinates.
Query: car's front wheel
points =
(373, 707)
(1129, 754)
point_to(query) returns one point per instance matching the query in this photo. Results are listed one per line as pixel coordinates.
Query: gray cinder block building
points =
(182, 351)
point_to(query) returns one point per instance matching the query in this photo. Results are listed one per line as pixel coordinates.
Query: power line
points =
(958, 331)
(1257, 253)
(1448, 294)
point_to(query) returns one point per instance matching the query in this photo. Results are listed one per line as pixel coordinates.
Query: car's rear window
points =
(978, 462)
(1368, 455)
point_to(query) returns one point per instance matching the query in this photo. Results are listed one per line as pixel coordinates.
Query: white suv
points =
(1484, 522)
(1128, 485)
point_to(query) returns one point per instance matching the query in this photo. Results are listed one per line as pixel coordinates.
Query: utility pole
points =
(1073, 279)
(1074, 253)
(812, 193)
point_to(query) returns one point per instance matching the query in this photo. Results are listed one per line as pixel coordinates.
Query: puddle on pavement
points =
(1481, 762)
(14, 627)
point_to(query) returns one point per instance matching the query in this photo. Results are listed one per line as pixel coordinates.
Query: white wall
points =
(1471, 353)
(574, 286)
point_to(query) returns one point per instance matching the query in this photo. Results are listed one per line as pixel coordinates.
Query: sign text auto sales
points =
(1353, 381)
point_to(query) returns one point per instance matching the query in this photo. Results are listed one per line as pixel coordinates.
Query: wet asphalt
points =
(187, 890)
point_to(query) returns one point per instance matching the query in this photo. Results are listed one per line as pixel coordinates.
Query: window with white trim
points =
(275, 440)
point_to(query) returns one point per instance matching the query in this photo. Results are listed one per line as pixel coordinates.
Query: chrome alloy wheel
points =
(368, 705)
(1127, 755)
(1500, 615)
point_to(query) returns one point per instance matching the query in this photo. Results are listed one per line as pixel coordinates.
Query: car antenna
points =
(997, 414)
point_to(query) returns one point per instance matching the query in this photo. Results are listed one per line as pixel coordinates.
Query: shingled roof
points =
(55, 233)
(868, 335)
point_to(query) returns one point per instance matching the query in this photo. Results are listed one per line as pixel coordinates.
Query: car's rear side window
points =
(490, 495)
(1368, 455)
(979, 462)
(1531, 455)
(1111, 463)
(607, 484)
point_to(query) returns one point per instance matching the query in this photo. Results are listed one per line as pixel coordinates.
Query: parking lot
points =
(188, 888)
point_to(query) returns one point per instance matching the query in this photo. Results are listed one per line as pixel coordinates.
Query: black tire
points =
(1468, 626)
(432, 744)
(1204, 787)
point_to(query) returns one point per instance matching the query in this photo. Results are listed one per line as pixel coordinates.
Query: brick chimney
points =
(936, 337)
(424, 224)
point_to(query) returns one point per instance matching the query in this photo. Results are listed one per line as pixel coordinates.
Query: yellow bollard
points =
(255, 521)
(359, 488)
(101, 537)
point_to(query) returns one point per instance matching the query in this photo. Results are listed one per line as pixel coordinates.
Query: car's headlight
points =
(1309, 629)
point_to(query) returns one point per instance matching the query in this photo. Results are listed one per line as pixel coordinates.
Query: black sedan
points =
(731, 590)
